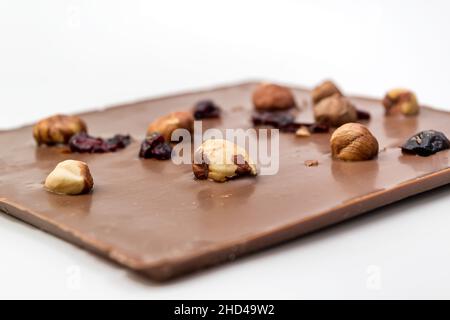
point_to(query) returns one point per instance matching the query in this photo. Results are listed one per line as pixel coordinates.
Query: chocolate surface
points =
(153, 217)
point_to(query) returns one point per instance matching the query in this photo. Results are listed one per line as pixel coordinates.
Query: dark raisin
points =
(362, 115)
(285, 121)
(318, 128)
(206, 109)
(154, 146)
(426, 143)
(83, 142)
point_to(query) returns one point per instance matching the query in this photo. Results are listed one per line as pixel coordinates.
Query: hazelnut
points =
(335, 111)
(401, 100)
(221, 160)
(324, 90)
(167, 124)
(57, 129)
(353, 142)
(268, 96)
(70, 177)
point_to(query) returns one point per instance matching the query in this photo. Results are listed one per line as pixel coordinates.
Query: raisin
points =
(154, 146)
(85, 143)
(362, 115)
(206, 109)
(426, 143)
(285, 121)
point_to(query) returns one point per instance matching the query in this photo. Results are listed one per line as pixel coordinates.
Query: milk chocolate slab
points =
(153, 217)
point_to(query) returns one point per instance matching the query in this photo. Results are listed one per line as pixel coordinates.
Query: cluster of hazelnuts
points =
(221, 160)
(351, 141)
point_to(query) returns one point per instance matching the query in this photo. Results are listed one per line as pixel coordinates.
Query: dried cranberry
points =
(362, 115)
(206, 109)
(83, 142)
(426, 143)
(154, 146)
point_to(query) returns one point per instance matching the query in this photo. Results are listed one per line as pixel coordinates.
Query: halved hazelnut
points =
(167, 124)
(221, 160)
(353, 142)
(70, 177)
(269, 96)
(335, 111)
(324, 90)
(401, 100)
(57, 129)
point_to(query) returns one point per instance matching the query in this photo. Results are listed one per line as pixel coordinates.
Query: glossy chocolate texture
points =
(154, 217)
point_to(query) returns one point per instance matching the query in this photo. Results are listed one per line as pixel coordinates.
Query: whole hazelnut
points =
(269, 96)
(70, 177)
(335, 111)
(401, 100)
(324, 90)
(220, 160)
(167, 124)
(353, 142)
(57, 129)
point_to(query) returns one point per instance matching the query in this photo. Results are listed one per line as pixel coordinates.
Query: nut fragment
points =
(324, 90)
(335, 111)
(221, 160)
(167, 124)
(311, 163)
(70, 177)
(401, 100)
(57, 129)
(269, 96)
(353, 142)
(302, 132)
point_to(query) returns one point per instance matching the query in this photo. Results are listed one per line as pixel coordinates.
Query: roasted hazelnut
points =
(335, 111)
(70, 177)
(220, 160)
(269, 96)
(167, 124)
(401, 100)
(324, 90)
(57, 129)
(353, 142)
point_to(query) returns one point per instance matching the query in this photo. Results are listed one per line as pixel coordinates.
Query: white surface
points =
(67, 56)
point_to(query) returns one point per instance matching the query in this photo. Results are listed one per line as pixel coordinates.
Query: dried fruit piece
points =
(362, 115)
(85, 143)
(324, 90)
(335, 111)
(353, 142)
(167, 124)
(154, 146)
(285, 121)
(269, 96)
(401, 100)
(70, 177)
(57, 129)
(426, 143)
(221, 160)
(206, 109)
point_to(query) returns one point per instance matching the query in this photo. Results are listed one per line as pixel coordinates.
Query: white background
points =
(68, 56)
